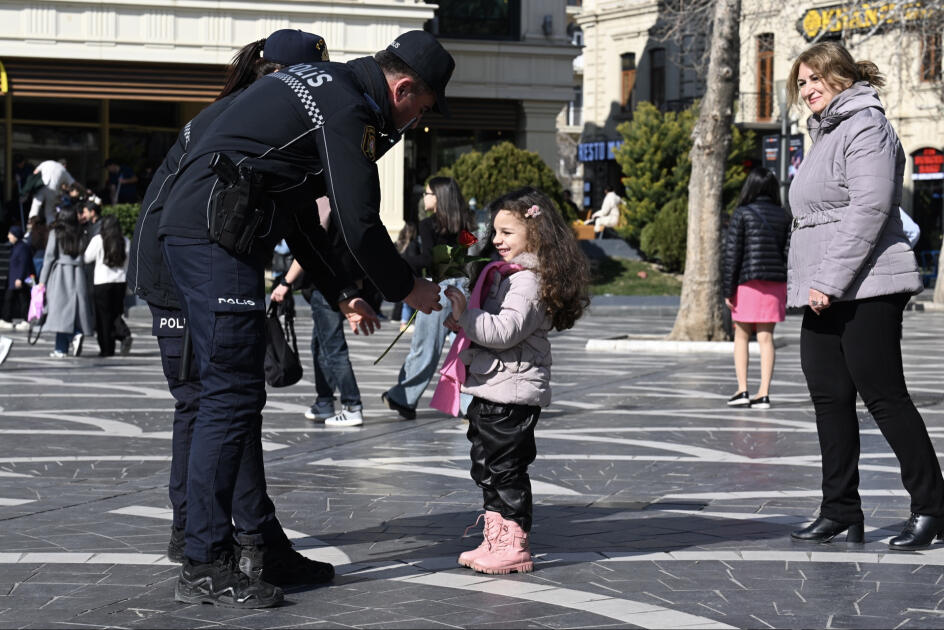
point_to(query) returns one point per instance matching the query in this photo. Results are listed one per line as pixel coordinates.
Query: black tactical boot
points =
(221, 583)
(175, 546)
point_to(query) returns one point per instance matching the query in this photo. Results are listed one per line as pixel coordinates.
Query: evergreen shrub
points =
(654, 158)
(504, 167)
(127, 214)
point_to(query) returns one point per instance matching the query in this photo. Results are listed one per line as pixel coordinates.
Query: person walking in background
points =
(540, 284)
(67, 295)
(108, 251)
(608, 215)
(330, 359)
(449, 215)
(46, 200)
(755, 279)
(852, 268)
(122, 182)
(36, 236)
(16, 296)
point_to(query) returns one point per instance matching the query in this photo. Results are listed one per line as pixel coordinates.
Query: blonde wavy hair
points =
(836, 66)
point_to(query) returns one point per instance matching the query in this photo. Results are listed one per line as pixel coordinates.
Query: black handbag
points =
(282, 365)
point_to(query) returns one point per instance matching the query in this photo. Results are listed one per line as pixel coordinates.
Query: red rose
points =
(467, 238)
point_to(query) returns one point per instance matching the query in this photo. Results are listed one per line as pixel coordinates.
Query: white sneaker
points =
(348, 417)
(5, 325)
(5, 344)
(75, 348)
(21, 325)
(320, 411)
(55, 354)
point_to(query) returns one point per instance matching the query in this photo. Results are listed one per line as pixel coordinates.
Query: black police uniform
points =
(148, 278)
(309, 130)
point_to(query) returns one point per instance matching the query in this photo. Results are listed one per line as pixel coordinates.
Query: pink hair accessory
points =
(533, 211)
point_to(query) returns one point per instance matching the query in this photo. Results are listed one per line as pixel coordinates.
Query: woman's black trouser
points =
(502, 437)
(109, 305)
(855, 347)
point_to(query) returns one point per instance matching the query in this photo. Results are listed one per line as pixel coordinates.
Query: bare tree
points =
(700, 315)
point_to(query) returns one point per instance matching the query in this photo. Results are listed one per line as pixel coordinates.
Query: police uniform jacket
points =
(309, 130)
(148, 276)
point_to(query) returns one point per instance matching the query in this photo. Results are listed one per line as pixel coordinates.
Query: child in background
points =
(539, 284)
(16, 296)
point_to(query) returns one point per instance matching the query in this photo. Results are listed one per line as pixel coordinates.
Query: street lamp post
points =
(784, 162)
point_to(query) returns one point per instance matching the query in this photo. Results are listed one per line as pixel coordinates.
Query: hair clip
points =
(533, 211)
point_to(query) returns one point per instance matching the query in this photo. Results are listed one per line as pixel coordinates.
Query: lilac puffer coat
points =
(847, 239)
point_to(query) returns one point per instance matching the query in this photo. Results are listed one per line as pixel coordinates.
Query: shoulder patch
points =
(369, 143)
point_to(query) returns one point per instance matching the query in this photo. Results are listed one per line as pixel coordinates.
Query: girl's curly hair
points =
(563, 268)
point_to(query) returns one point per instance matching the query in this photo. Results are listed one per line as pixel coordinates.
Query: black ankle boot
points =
(919, 532)
(824, 530)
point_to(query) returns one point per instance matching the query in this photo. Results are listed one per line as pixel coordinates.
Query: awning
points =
(56, 78)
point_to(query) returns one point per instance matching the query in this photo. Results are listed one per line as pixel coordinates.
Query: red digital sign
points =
(927, 163)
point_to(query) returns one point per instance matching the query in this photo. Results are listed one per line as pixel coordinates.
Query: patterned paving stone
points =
(656, 505)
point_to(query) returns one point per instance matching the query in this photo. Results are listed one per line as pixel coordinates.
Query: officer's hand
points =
(424, 297)
(360, 315)
(278, 293)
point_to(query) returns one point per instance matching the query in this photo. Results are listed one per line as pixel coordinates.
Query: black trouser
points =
(15, 303)
(503, 447)
(109, 305)
(856, 347)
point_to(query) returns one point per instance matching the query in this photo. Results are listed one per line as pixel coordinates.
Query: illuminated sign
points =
(598, 151)
(927, 163)
(830, 22)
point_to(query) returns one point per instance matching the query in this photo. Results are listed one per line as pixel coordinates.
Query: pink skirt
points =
(760, 302)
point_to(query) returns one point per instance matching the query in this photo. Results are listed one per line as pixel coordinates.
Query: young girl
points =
(539, 284)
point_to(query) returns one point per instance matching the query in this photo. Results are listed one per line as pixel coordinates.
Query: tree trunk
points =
(700, 316)
(939, 283)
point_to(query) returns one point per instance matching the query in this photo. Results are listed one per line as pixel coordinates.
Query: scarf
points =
(452, 375)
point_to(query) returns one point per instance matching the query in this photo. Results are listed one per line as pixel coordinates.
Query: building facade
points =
(625, 62)
(86, 80)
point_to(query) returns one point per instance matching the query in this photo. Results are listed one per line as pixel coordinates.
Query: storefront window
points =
(477, 19)
(80, 146)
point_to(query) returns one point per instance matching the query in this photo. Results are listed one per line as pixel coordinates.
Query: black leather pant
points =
(503, 447)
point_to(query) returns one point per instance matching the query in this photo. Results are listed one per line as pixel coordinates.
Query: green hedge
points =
(127, 214)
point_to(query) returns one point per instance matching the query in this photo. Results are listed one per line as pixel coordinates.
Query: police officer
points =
(265, 547)
(325, 125)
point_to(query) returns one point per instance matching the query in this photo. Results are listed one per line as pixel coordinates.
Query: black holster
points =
(235, 209)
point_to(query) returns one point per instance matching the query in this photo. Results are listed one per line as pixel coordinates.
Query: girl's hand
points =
(818, 301)
(457, 298)
(18, 284)
(729, 304)
(452, 324)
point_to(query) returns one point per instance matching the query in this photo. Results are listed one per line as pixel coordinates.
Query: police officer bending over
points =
(306, 131)
(265, 549)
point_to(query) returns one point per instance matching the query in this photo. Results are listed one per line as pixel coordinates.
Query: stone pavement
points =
(656, 505)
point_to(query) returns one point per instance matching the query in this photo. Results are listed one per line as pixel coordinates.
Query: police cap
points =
(431, 62)
(290, 46)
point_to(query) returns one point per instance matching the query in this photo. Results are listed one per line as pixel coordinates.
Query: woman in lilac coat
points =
(851, 267)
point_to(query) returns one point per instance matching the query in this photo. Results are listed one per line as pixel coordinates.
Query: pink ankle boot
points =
(510, 552)
(490, 532)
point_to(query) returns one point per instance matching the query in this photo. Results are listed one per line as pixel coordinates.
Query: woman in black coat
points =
(755, 279)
